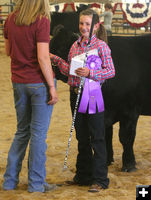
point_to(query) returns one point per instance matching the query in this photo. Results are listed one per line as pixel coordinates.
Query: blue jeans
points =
(33, 119)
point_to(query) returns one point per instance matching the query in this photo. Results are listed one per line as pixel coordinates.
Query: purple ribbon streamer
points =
(92, 93)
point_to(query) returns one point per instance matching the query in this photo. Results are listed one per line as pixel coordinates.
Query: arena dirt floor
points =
(122, 185)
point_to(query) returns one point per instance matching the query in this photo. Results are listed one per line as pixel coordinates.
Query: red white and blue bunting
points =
(136, 14)
(62, 6)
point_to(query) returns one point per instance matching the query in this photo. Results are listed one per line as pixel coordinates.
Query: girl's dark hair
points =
(90, 12)
(101, 32)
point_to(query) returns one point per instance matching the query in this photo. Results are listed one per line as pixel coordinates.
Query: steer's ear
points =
(82, 7)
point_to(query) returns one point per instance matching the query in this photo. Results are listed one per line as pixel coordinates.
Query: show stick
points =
(79, 91)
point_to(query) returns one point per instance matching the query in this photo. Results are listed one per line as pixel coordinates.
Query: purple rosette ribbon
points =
(92, 93)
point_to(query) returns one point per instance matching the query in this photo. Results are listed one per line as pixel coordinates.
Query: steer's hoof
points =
(129, 169)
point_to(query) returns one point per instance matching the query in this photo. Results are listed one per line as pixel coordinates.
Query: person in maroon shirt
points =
(91, 166)
(26, 33)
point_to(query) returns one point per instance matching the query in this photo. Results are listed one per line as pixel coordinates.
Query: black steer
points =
(128, 94)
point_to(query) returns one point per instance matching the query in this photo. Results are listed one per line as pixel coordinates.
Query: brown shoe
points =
(95, 188)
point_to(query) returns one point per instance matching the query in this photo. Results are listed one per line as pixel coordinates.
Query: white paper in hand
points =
(75, 64)
(78, 61)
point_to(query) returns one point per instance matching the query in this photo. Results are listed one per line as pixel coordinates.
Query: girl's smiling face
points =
(85, 26)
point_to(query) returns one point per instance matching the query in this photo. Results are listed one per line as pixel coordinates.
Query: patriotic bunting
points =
(61, 7)
(136, 14)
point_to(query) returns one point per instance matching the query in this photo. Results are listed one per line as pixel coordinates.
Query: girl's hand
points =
(82, 71)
